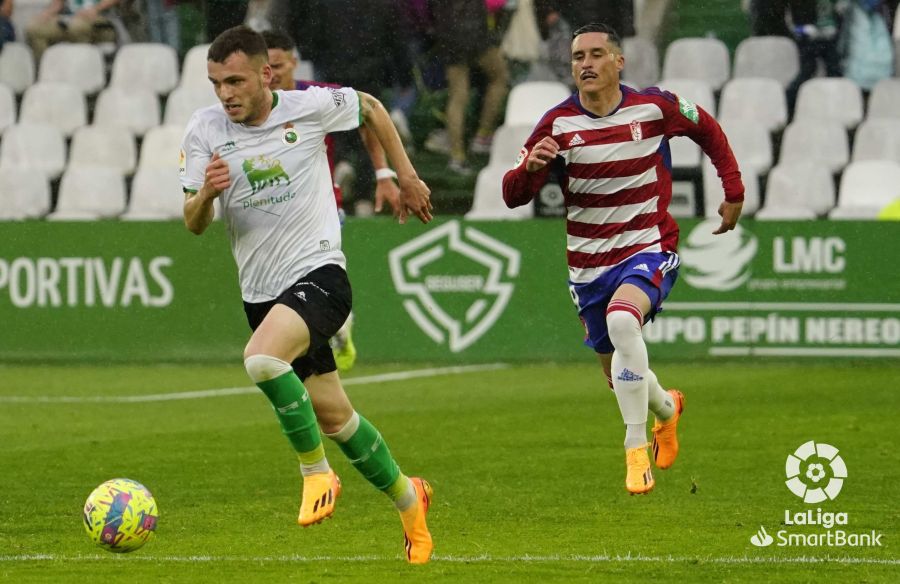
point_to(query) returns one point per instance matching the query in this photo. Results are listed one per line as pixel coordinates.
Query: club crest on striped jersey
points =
(636, 133)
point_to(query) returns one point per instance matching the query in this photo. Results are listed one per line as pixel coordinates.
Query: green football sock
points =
(361, 442)
(293, 407)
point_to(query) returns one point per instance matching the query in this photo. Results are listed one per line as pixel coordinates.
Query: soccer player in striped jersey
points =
(283, 61)
(609, 146)
(262, 154)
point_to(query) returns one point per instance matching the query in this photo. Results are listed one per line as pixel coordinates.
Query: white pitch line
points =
(479, 559)
(205, 393)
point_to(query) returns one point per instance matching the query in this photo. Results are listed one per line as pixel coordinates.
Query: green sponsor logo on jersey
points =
(688, 110)
(262, 172)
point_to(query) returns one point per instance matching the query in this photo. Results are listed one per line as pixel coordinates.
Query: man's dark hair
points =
(241, 39)
(600, 27)
(278, 40)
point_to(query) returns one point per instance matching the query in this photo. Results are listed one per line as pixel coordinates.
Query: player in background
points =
(283, 61)
(262, 153)
(609, 146)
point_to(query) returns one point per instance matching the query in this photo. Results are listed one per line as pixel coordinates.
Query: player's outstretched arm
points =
(386, 190)
(198, 207)
(414, 193)
(730, 213)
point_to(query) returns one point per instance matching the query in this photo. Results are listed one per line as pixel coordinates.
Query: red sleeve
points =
(519, 185)
(684, 118)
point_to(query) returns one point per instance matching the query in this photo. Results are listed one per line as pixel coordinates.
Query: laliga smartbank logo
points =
(457, 282)
(717, 262)
(815, 472)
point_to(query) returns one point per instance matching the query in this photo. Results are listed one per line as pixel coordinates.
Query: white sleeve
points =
(195, 155)
(338, 109)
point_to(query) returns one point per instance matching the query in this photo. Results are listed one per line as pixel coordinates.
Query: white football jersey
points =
(280, 209)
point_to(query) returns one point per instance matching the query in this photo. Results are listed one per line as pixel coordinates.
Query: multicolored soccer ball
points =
(120, 515)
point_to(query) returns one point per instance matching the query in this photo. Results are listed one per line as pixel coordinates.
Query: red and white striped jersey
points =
(616, 174)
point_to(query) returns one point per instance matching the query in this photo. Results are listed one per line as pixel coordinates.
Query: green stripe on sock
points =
(398, 488)
(312, 457)
(369, 453)
(295, 412)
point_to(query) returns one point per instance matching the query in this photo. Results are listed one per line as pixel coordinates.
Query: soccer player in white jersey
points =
(262, 154)
(609, 146)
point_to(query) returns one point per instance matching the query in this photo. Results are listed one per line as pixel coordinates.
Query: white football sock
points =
(661, 403)
(629, 369)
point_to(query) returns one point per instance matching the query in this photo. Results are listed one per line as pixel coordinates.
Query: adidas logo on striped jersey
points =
(576, 141)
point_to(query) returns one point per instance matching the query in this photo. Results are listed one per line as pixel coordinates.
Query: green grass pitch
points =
(526, 462)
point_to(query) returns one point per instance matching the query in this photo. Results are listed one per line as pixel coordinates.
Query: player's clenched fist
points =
(217, 178)
(542, 153)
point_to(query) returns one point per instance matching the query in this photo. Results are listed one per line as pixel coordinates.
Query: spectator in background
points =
(556, 49)
(222, 15)
(74, 21)
(462, 39)
(815, 25)
(617, 14)
(7, 30)
(162, 22)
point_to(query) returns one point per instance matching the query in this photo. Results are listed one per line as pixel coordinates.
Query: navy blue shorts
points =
(654, 273)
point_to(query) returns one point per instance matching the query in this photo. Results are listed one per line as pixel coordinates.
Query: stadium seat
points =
(508, 141)
(877, 139)
(24, 194)
(135, 109)
(713, 194)
(704, 59)
(812, 139)
(488, 202)
(17, 66)
(754, 98)
(751, 143)
(160, 148)
(34, 145)
(696, 90)
(151, 66)
(529, 101)
(193, 69)
(641, 62)
(884, 101)
(7, 107)
(773, 57)
(866, 188)
(184, 101)
(799, 190)
(111, 146)
(830, 98)
(89, 192)
(79, 64)
(60, 104)
(156, 195)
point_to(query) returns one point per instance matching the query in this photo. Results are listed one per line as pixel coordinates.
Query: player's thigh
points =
(329, 400)
(283, 334)
(633, 294)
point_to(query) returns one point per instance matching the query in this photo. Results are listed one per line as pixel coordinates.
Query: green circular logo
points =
(290, 136)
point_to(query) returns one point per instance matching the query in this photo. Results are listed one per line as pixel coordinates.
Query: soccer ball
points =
(120, 515)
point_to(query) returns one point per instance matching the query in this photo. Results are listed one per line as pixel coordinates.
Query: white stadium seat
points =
(884, 101)
(7, 107)
(34, 145)
(696, 90)
(818, 140)
(830, 98)
(488, 204)
(751, 144)
(529, 101)
(773, 57)
(193, 69)
(866, 188)
(90, 192)
(24, 194)
(641, 62)
(508, 141)
(151, 66)
(877, 139)
(17, 66)
(135, 109)
(161, 147)
(714, 194)
(799, 190)
(757, 99)
(60, 104)
(156, 195)
(704, 59)
(184, 101)
(79, 64)
(111, 146)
